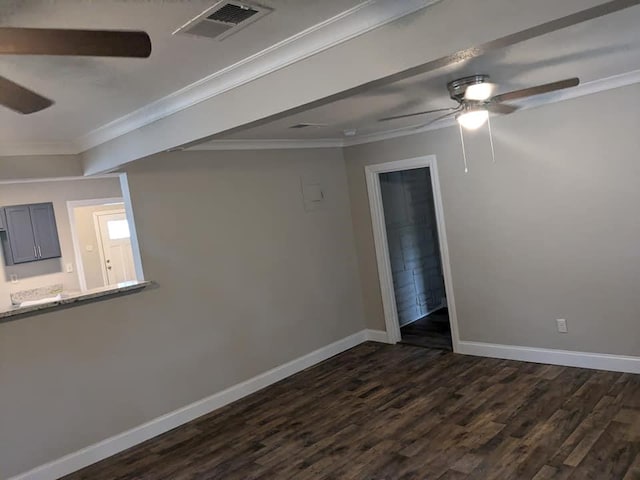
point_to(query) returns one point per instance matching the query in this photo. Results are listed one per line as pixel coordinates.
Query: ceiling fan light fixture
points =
(479, 92)
(473, 119)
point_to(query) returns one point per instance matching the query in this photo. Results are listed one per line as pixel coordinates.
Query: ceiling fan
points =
(46, 41)
(474, 95)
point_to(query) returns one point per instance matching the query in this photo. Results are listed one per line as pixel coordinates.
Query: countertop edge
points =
(80, 298)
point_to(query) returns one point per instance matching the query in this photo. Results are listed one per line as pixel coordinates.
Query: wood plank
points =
(401, 412)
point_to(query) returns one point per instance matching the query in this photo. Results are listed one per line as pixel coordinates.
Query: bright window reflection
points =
(118, 229)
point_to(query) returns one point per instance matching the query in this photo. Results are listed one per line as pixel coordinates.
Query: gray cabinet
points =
(30, 233)
(45, 230)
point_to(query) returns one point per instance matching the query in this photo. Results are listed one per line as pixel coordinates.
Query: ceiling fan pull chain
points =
(464, 152)
(493, 152)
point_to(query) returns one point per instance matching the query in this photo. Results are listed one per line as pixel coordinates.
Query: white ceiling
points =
(592, 51)
(90, 92)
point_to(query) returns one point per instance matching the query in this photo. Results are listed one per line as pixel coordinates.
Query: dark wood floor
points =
(431, 331)
(402, 412)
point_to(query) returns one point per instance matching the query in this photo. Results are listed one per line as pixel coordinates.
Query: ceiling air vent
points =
(223, 19)
(305, 125)
(232, 14)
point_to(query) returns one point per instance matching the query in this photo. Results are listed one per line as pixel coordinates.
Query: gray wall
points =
(40, 166)
(412, 237)
(247, 280)
(550, 231)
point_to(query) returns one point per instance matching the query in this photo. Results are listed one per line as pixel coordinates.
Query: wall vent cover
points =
(223, 19)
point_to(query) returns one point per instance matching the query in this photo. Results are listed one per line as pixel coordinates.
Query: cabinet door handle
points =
(35, 252)
(39, 251)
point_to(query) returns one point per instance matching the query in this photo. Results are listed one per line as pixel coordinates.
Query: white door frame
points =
(372, 173)
(99, 236)
(77, 248)
(126, 199)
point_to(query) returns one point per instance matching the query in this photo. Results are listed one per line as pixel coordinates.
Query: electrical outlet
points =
(562, 325)
(69, 267)
(14, 278)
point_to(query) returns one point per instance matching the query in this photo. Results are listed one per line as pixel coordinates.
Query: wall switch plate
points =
(69, 267)
(14, 278)
(562, 325)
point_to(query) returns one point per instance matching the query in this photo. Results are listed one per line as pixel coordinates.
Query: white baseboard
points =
(379, 336)
(404, 324)
(596, 361)
(106, 448)
(428, 312)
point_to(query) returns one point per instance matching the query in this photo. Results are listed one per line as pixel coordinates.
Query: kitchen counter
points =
(69, 299)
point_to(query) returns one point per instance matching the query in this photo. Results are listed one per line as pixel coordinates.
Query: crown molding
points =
(271, 144)
(58, 179)
(588, 88)
(362, 18)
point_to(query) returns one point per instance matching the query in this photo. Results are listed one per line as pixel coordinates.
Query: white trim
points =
(372, 173)
(427, 312)
(398, 132)
(270, 144)
(411, 321)
(106, 448)
(379, 336)
(596, 361)
(77, 248)
(133, 230)
(588, 88)
(356, 21)
(58, 179)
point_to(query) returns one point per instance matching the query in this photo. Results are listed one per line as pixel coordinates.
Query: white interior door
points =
(116, 254)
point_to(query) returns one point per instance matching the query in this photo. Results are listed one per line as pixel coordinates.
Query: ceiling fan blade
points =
(20, 99)
(501, 108)
(94, 43)
(441, 117)
(385, 119)
(540, 89)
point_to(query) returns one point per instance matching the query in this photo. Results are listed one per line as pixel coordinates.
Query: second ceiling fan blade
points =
(441, 117)
(537, 90)
(94, 43)
(449, 109)
(501, 108)
(20, 99)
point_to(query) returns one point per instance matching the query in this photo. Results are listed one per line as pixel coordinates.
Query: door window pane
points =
(118, 229)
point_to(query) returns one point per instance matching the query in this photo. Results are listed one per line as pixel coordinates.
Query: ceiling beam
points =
(387, 54)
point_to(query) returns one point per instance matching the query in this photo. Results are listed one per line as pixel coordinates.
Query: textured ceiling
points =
(594, 50)
(90, 92)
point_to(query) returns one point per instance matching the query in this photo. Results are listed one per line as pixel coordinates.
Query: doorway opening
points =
(103, 242)
(412, 253)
